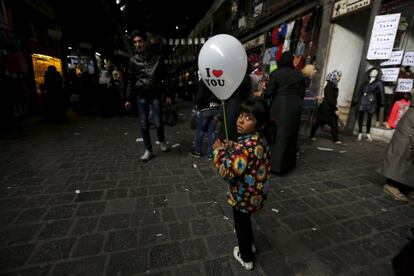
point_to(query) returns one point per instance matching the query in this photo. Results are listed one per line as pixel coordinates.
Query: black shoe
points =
(195, 154)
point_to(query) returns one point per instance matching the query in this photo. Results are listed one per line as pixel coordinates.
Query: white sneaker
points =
(253, 248)
(237, 256)
(146, 156)
(359, 137)
(369, 138)
(163, 147)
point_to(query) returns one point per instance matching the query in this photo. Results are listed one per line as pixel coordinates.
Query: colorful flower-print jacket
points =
(245, 166)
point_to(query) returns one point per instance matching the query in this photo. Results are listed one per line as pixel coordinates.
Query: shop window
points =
(258, 8)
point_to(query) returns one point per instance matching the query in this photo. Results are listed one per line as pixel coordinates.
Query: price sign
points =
(408, 58)
(383, 36)
(390, 74)
(404, 85)
(395, 59)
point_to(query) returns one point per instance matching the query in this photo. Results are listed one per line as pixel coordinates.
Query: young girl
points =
(245, 167)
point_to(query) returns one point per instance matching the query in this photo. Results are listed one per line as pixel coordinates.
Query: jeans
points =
(144, 106)
(206, 122)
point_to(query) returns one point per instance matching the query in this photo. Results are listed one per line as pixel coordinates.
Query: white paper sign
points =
(408, 58)
(395, 59)
(383, 36)
(390, 74)
(404, 85)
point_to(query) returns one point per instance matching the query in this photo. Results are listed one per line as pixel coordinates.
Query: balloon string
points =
(225, 119)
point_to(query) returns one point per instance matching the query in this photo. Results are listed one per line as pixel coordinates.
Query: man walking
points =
(145, 84)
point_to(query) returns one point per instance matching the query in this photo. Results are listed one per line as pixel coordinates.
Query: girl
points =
(245, 167)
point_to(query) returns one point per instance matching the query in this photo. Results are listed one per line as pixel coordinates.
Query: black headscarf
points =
(286, 60)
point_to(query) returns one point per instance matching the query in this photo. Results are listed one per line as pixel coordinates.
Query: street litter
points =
(77, 191)
(342, 151)
(215, 202)
(126, 133)
(159, 235)
(175, 145)
(187, 189)
(275, 210)
(178, 132)
(139, 140)
(195, 166)
(154, 211)
(165, 199)
(181, 114)
(314, 229)
(157, 142)
(226, 218)
(312, 189)
(384, 210)
(325, 149)
(76, 133)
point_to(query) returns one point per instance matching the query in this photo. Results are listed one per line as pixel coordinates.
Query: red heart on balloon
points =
(217, 73)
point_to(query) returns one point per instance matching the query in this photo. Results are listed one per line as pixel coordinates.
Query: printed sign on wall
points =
(390, 74)
(404, 85)
(408, 58)
(383, 36)
(395, 59)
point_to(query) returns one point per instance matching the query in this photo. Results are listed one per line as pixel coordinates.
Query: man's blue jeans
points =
(206, 122)
(144, 106)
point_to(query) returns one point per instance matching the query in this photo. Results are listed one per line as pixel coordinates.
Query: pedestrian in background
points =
(245, 166)
(286, 91)
(398, 163)
(208, 109)
(328, 112)
(145, 74)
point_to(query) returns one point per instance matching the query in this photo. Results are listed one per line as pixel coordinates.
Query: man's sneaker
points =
(146, 156)
(210, 157)
(237, 256)
(253, 248)
(369, 138)
(195, 154)
(163, 147)
(359, 137)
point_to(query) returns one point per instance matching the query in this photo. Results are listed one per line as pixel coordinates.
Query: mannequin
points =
(370, 93)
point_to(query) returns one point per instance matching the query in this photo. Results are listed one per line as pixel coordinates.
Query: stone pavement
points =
(76, 200)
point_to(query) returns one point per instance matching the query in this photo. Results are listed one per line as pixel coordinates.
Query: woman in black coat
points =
(286, 91)
(327, 111)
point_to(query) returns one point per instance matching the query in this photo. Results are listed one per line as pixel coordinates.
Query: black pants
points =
(361, 120)
(244, 233)
(333, 124)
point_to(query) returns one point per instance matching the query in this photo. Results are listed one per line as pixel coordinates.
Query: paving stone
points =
(178, 199)
(89, 245)
(357, 226)
(16, 256)
(33, 271)
(179, 231)
(189, 269)
(353, 255)
(123, 239)
(85, 225)
(121, 205)
(219, 266)
(128, 263)
(333, 262)
(373, 247)
(53, 250)
(168, 215)
(314, 202)
(92, 266)
(28, 191)
(298, 222)
(61, 199)
(186, 212)
(8, 217)
(159, 201)
(11, 203)
(89, 196)
(314, 240)
(18, 234)
(165, 255)
(100, 185)
(116, 193)
(337, 233)
(146, 217)
(208, 209)
(221, 225)
(60, 212)
(90, 209)
(111, 222)
(153, 234)
(221, 244)
(55, 229)
(194, 250)
(143, 202)
(340, 213)
(201, 227)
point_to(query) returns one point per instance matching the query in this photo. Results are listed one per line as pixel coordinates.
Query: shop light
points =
(69, 48)
(97, 54)
(176, 27)
(122, 8)
(118, 1)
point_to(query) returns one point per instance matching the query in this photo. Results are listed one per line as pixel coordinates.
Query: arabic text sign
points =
(383, 36)
(390, 74)
(408, 58)
(404, 85)
(395, 59)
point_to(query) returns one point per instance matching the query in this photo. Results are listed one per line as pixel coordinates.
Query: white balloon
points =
(222, 63)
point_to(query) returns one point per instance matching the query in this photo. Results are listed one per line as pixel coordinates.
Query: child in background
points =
(245, 166)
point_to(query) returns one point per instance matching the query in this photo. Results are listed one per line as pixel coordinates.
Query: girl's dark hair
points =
(258, 108)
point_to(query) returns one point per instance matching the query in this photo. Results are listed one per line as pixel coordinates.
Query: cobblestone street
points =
(76, 200)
